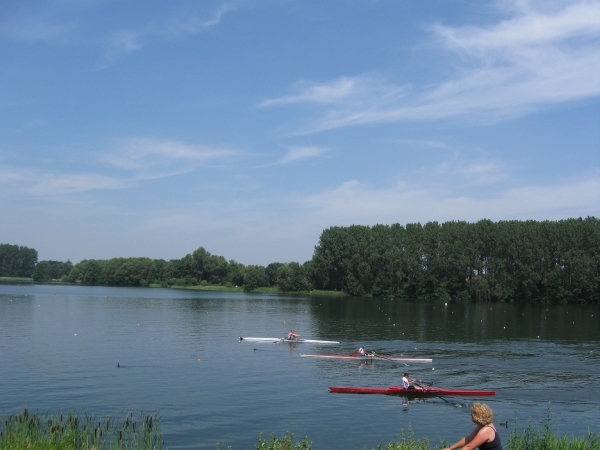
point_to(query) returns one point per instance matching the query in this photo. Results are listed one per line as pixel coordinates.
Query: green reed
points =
(532, 439)
(74, 431)
(284, 442)
(407, 442)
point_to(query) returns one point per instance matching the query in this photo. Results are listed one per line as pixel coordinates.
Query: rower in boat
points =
(292, 336)
(361, 350)
(409, 384)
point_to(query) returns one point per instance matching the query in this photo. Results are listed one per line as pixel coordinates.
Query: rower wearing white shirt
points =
(361, 350)
(409, 384)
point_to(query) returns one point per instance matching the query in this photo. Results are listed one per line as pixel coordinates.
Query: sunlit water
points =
(180, 357)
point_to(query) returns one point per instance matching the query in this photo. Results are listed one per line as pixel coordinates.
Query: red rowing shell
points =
(399, 390)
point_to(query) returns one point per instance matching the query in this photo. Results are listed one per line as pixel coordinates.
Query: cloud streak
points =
(300, 153)
(355, 202)
(517, 66)
(38, 183)
(65, 26)
(135, 160)
(153, 158)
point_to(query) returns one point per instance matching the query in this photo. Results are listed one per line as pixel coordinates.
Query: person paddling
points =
(291, 335)
(409, 384)
(361, 350)
(484, 436)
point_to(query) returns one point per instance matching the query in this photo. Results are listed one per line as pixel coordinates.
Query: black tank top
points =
(492, 445)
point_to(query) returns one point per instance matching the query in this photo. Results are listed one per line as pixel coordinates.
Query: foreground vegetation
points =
(507, 261)
(27, 431)
(86, 432)
(530, 439)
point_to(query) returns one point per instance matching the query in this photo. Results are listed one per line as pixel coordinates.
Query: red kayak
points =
(399, 390)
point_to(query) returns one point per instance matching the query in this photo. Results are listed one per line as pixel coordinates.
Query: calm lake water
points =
(180, 357)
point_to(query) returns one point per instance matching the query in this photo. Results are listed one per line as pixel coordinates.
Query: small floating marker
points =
(118, 365)
(538, 337)
(433, 368)
(75, 334)
(505, 328)
(198, 359)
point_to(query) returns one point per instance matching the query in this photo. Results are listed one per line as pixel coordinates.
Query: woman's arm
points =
(483, 435)
(463, 441)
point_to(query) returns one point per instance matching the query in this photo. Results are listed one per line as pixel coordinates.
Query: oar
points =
(382, 357)
(439, 396)
(377, 355)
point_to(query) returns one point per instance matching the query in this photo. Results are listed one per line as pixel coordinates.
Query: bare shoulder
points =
(489, 432)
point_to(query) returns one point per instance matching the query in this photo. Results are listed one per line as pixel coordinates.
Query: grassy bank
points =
(16, 279)
(28, 431)
(261, 290)
(530, 439)
(71, 431)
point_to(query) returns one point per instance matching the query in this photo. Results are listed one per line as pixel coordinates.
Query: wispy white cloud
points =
(342, 90)
(356, 202)
(152, 158)
(134, 160)
(188, 26)
(537, 57)
(121, 43)
(40, 183)
(24, 28)
(62, 25)
(299, 153)
(60, 184)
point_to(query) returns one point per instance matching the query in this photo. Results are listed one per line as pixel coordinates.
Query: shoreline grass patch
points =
(72, 431)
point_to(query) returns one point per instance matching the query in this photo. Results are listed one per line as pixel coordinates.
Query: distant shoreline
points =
(214, 288)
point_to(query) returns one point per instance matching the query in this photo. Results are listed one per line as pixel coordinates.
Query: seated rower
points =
(361, 350)
(409, 384)
(291, 335)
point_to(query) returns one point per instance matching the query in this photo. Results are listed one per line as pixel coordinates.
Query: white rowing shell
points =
(291, 341)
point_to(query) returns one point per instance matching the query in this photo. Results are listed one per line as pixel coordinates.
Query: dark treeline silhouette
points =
(51, 270)
(199, 268)
(17, 261)
(506, 261)
(514, 261)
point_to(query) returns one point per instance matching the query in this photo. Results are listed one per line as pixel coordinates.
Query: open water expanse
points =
(180, 357)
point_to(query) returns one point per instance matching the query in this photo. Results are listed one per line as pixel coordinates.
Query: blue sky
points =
(150, 128)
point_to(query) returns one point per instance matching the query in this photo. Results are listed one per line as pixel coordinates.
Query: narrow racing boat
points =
(399, 390)
(286, 340)
(369, 357)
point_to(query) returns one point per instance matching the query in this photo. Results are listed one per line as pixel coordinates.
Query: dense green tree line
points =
(517, 261)
(17, 261)
(196, 268)
(52, 271)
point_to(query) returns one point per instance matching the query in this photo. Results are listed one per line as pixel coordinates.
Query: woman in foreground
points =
(484, 435)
